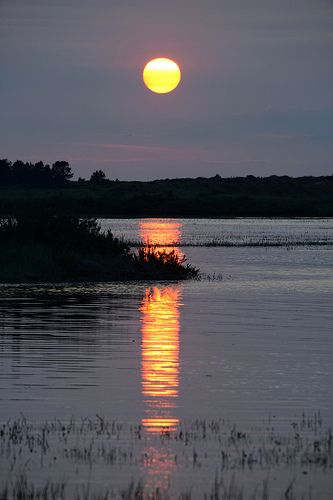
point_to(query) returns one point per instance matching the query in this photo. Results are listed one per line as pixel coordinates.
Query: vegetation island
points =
(47, 247)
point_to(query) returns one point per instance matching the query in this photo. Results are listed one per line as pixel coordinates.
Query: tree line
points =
(27, 174)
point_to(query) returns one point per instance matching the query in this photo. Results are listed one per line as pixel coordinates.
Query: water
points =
(207, 232)
(251, 341)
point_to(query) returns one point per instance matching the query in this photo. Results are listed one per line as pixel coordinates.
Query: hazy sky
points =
(256, 95)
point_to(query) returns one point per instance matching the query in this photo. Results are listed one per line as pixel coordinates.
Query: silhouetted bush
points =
(164, 260)
(61, 231)
(47, 247)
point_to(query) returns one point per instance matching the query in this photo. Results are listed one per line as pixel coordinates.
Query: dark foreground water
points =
(250, 343)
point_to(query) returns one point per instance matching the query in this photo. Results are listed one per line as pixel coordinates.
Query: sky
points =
(256, 95)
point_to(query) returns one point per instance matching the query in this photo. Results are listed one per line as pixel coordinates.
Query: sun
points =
(161, 75)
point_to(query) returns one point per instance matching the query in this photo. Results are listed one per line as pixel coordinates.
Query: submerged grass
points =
(54, 248)
(262, 242)
(22, 489)
(50, 460)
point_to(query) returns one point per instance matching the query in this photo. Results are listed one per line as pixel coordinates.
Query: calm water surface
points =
(253, 341)
(257, 342)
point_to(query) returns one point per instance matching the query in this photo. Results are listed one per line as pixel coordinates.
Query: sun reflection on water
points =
(160, 328)
(160, 356)
(164, 233)
(160, 378)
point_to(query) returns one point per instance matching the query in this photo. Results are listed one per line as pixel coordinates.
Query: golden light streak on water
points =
(160, 328)
(165, 233)
(160, 356)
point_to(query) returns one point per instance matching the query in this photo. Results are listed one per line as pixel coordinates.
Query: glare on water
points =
(164, 233)
(160, 356)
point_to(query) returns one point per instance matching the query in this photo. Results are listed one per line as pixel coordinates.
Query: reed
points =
(33, 456)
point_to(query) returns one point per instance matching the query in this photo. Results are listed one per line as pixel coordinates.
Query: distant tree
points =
(37, 174)
(5, 172)
(97, 177)
(41, 174)
(21, 172)
(61, 171)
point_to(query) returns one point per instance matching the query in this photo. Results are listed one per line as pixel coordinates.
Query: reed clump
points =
(165, 261)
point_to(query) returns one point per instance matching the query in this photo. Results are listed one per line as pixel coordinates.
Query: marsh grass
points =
(219, 490)
(262, 242)
(33, 455)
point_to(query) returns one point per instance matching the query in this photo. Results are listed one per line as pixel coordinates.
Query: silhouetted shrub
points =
(53, 247)
(163, 259)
